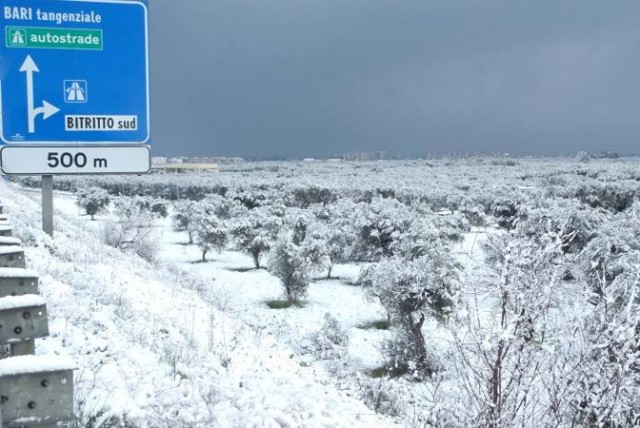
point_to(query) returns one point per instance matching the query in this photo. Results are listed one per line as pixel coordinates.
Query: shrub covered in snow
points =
(331, 340)
(133, 228)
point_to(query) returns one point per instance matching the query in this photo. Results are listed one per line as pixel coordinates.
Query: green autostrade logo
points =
(53, 38)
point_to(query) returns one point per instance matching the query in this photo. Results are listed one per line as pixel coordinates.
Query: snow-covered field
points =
(182, 344)
(517, 278)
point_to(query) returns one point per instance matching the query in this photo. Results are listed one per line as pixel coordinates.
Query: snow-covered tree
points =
(93, 200)
(289, 264)
(255, 231)
(379, 224)
(210, 233)
(183, 214)
(411, 291)
(334, 225)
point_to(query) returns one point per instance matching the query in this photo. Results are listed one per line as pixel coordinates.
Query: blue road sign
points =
(74, 72)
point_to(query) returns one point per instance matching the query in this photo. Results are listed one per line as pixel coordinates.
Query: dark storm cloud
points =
(313, 78)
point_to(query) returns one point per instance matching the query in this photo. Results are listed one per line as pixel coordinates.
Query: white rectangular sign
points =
(54, 160)
(81, 123)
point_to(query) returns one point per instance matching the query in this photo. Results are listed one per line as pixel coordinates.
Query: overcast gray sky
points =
(298, 78)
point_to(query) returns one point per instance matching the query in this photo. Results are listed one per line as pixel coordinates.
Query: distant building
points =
(212, 159)
(158, 160)
(195, 162)
(365, 156)
(178, 168)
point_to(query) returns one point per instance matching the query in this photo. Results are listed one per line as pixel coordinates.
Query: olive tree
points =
(411, 291)
(93, 200)
(289, 264)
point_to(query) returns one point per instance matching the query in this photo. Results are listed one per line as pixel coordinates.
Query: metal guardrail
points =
(35, 390)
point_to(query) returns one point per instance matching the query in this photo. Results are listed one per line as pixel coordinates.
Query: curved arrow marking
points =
(47, 110)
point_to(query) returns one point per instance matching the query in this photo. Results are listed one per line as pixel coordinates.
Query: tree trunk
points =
(256, 259)
(416, 330)
(495, 389)
(495, 383)
(204, 255)
(329, 272)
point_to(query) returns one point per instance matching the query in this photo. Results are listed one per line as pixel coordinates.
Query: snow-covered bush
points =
(603, 388)
(133, 229)
(249, 198)
(474, 213)
(93, 200)
(331, 340)
(304, 197)
(503, 362)
(612, 250)
(505, 211)
(615, 197)
(378, 396)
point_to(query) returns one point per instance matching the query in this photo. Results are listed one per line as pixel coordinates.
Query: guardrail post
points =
(36, 391)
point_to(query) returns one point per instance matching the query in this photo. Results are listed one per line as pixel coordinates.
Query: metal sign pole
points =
(47, 204)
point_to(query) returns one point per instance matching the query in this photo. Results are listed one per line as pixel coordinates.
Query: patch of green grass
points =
(246, 269)
(375, 325)
(379, 372)
(283, 304)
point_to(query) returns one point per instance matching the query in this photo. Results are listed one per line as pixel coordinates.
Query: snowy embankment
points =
(179, 344)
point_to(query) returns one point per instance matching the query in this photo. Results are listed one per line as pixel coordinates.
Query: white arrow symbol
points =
(47, 110)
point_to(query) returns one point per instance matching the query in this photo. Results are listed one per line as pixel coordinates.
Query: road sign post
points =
(47, 204)
(74, 89)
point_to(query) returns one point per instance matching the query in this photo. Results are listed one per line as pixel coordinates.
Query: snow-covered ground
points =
(184, 344)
